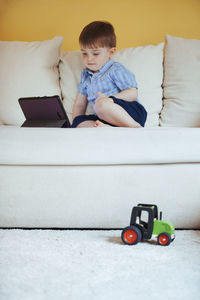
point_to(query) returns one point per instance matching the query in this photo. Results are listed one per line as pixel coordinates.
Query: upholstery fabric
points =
(98, 146)
(181, 83)
(100, 196)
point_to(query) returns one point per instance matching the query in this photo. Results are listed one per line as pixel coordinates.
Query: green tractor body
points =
(145, 223)
(160, 226)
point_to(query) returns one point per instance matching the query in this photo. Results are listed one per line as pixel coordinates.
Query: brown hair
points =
(99, 34)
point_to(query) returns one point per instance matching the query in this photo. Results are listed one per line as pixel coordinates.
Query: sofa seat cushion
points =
(98, 146)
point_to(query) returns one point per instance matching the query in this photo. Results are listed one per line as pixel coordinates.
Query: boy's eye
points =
(95, 54)
(84, 54)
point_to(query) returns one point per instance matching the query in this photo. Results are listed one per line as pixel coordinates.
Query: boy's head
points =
(98, 34)
(98, 44)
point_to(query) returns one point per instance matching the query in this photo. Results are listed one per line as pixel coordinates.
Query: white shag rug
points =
(75, 264)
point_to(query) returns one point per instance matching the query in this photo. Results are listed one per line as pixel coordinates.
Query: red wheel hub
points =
(163, 239)
(130, 236)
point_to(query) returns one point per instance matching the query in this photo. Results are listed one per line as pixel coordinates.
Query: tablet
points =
(45, 111)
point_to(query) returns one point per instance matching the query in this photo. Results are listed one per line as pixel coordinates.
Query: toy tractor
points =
(144, 223)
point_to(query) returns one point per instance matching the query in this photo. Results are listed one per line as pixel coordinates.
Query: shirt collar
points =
(103, 69)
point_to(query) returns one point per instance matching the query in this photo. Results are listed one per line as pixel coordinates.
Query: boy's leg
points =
(86, 124)
(83, 121)
(113, 113)
(99, 123)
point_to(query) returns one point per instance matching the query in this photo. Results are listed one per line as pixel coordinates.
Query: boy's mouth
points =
(92, 66)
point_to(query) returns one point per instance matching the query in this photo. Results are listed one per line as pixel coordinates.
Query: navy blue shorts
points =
(133, 108)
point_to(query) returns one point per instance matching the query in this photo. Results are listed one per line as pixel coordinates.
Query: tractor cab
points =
(143, 216)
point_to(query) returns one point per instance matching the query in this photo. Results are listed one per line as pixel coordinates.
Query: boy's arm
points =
(80, 105)
(130, 94)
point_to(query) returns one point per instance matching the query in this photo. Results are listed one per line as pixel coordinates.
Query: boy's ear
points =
(112, 51)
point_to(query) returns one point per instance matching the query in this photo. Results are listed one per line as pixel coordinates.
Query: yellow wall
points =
(137, 22)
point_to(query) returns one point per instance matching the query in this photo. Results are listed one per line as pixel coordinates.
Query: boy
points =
(109, 86)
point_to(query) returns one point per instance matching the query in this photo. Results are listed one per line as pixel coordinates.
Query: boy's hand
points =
(101, 95)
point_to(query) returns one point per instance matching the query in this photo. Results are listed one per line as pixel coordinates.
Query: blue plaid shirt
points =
(111, 79)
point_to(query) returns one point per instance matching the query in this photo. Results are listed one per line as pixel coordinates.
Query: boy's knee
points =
(101, 106)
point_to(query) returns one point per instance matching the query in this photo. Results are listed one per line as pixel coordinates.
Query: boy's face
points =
(95, 58)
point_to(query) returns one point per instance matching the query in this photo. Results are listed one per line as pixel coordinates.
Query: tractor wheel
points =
(131, 235)
(164, 239)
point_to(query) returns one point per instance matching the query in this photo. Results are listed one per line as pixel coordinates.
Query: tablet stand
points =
(46, 123)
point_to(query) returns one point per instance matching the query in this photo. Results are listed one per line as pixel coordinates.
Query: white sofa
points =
(92, 177)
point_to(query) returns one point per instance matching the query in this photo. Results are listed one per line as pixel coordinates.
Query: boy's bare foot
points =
(100, 124)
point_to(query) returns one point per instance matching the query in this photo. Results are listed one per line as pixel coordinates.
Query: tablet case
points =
(44, 112)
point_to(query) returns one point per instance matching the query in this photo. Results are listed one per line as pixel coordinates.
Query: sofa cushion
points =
(70, 68)
(145, 62)
(98, 146)
(27, 69)
(181, 83)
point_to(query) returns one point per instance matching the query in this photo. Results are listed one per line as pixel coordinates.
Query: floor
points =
(96, 265)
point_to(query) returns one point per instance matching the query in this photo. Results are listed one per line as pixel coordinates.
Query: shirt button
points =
(95, 77)
(102, 79)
